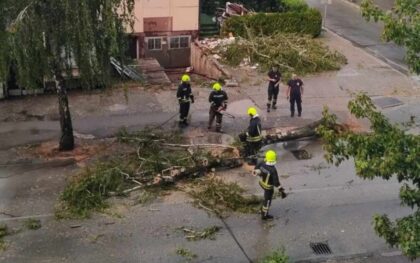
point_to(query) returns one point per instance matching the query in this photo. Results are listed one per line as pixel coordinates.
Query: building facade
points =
(165, 29)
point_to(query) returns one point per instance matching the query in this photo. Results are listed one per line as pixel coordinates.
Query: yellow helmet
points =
(217, 86)
(185, 78)
(271, 156)
(252, 111)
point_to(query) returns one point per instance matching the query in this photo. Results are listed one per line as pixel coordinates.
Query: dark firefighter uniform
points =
(269, 179)
(253, 134)
(273, 88)
(218, 103)
(185, 98)
(295, 95)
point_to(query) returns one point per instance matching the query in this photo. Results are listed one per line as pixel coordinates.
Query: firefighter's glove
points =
(256, 172)
(282, 193)
(192, 99)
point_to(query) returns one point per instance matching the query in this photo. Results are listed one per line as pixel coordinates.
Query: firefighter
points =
(253, 135)
(269, 179)
(185, 98)
(218, 103)
(274, 77)
(294, 94)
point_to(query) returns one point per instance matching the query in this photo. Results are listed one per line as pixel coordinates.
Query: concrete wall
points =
(164, 19)
(184, 14)
(206, 65)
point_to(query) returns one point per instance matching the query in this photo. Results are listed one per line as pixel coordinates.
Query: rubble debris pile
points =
(230, 10)
(292, 53)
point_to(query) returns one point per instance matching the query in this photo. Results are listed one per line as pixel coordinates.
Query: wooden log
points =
(277, 135)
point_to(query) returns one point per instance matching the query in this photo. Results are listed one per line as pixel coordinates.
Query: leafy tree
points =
(402, 25)
(387, 151)
(49, 39)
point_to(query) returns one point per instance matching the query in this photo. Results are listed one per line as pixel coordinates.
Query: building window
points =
(154, 43)
(179, 42)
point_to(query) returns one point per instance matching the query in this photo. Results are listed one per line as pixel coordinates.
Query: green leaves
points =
(402, 25)
(61, 35)
(405, 233)
(384, 152)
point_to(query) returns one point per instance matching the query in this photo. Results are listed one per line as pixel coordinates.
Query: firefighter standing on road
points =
(294, 94)
(218, 99)
(269, 179)
(253, 134)
(274, 77)
(185, 98)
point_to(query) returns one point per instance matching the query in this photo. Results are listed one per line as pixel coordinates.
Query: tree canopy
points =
(53, 39)
(402, 25)
(42, 37)
(387, 151)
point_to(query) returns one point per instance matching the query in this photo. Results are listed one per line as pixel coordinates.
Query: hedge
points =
(308, 22)
(295, 5)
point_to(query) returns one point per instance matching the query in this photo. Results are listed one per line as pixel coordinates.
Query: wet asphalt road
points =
(345, 20)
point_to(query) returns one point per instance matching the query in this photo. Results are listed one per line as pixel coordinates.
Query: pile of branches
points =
(220, 197)
(292, 53)
(151, 159)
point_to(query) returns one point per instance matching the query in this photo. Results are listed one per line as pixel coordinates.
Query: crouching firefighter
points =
(253, 141)
(269, 180)
(218, 103)
(185, 98)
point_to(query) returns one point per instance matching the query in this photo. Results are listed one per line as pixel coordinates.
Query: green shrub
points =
(308, 22)
(276, 257)
(295, 5)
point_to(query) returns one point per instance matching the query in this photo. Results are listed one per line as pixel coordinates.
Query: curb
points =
(40, 164)
(384, 60)
(351, 3)
(332, 257)
(380, 57)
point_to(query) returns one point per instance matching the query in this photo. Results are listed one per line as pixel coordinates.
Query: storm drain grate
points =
(321, 248)
(301, 155)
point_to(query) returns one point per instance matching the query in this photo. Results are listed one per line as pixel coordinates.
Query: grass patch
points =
(221, 197)
(278, 256)
(185, 253)
(192, 234)
(3, 232)
(33, 224)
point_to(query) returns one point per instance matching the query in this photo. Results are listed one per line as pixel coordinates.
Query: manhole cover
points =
(387, 102)
(302, 155)
(321, 248)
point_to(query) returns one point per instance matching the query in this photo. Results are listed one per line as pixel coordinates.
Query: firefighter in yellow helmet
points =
(218, 103)
(185, 98)
(269, 179)
(253, 134)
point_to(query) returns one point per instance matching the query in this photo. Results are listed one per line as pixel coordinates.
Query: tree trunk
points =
(278, 135)
(67, 138)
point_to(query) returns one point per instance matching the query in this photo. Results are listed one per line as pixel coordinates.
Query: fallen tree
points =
(152, 160)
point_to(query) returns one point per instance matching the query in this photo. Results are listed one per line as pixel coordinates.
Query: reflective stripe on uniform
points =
(254, 139)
